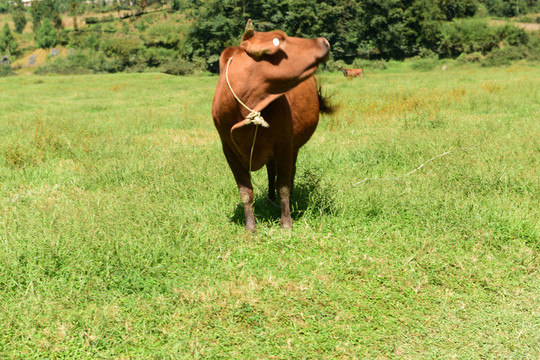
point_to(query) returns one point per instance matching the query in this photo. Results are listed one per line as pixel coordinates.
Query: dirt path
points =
(525, 26)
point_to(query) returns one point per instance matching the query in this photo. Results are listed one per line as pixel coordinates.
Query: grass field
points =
(122, 235)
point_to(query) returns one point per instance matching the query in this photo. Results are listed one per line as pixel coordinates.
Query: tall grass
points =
(121, 231)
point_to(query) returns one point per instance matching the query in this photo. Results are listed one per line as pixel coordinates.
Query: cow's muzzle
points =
(325, 45)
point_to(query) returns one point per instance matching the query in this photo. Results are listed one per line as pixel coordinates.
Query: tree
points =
(19, 16)
(175, 5)
(219, 24)
(389, 29)
(4, 6)
(457, 8)
(7, 41)
(74, 10)
(45, 9)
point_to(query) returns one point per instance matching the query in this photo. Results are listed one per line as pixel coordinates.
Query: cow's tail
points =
(325, 106)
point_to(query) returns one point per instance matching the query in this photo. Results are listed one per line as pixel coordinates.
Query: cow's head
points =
(283, 60)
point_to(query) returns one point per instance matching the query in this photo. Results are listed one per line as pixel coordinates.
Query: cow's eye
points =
(275, 42)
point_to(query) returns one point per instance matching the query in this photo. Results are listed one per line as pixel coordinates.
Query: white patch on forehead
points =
(275, 42)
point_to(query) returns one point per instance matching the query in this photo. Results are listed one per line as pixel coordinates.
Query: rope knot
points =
(255, 118)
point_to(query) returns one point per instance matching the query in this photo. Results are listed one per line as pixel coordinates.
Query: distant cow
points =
(269, 73)
(353, 72)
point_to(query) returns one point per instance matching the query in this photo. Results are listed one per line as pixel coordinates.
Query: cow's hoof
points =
(286, 226)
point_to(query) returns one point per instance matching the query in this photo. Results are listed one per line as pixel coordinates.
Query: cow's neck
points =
(254, 93)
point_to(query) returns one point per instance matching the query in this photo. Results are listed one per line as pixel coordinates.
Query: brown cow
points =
(269, 73)
(353, 72)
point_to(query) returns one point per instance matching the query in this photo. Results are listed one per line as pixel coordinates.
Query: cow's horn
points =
(249, 29)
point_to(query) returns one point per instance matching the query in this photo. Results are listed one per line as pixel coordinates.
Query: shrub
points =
(155, 56)
(91, 20)
(177, 67)
(474, 57)
(370, 64)
(466, 36)
(86, 40)
(83, 62)
(477, 36)
(95, 20)
(141, 25)
(163, 35)
(333, 65)
(125, 48)
(63, 37)
(4, 6)
(337, 65)
(46, 35)
(506, 56)
(5, 70)
(138, 67)
(512, 35)
(64, 67)
(424, 64)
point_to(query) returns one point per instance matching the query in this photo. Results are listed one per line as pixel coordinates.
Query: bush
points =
(333, 65)
(506, 56)
(474, 57)
(83, 62)
(154, 57)
(95, 20)
(46, 35)
(4, 6)
(370, 64)
(64, 67)
(512, 35)
(466, 36)
(85, 40)
(337, 65)
(177, 67)
(424, 64)
(141, 25)
(5, 70)
(477, 36)
(63, 37)
(91, 20)
(163, 35)
(125, 48)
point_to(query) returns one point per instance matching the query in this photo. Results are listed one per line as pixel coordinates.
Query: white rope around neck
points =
(254, 117)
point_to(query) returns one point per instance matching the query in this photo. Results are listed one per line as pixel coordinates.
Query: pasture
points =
(122, 235)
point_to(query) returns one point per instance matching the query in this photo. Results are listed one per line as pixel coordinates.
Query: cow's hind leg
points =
(245, 188)
(284, 169)
(271, 171)
(293, 173)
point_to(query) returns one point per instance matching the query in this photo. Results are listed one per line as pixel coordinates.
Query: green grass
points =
(122, 235)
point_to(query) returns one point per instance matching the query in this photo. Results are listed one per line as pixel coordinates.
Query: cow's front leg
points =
(246, 195)
(245, 188)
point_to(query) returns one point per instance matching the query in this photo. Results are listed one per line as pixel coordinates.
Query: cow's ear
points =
(256, 47)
